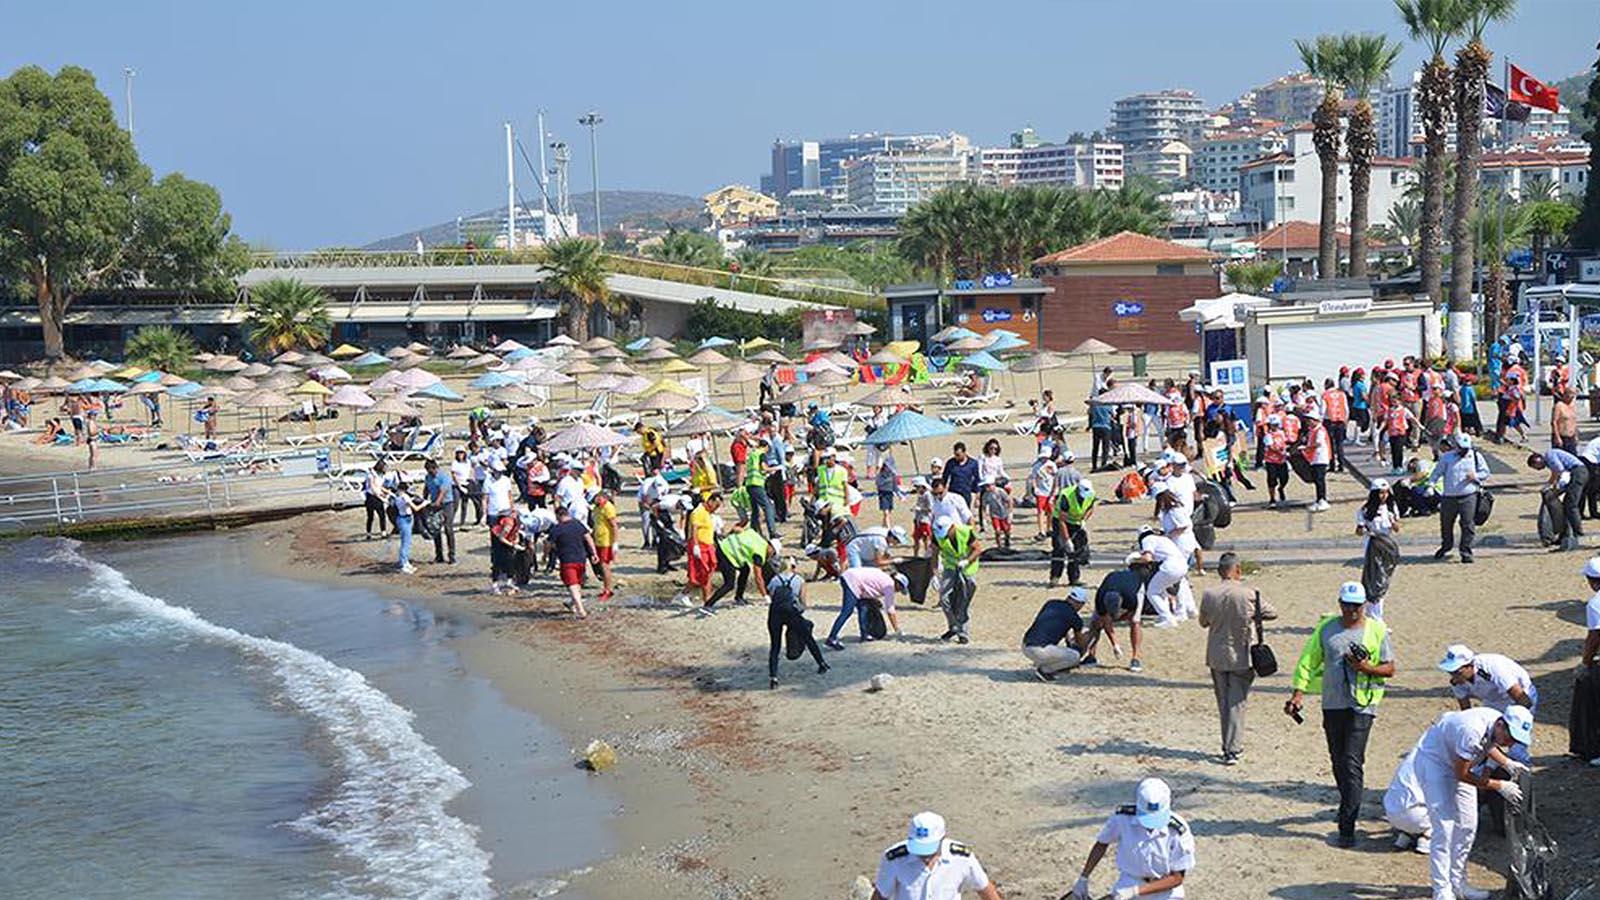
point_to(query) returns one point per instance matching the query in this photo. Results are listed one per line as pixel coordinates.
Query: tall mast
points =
(511, 192)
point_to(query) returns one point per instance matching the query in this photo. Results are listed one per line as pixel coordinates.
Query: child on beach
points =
(921, 518)
(997, 506)
(1042, 485)
(505, 539)
(605, 540)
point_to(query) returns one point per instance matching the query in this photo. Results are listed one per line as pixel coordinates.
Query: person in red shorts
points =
(701, 537)
(574, 550)
(605, 540)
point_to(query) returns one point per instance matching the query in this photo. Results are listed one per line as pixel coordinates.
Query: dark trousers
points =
(780, 497)
(446, 533)
(1069, 550)
(1277, 479)
(1319, 478)
(779, 618)
(1336, 431)
(1572, 501)
(1397, 452)
(475, 495)
(1592, 493)
(1347, 732)
(1100, 449)
(375, 509)
(1451, 509)
(734, 579)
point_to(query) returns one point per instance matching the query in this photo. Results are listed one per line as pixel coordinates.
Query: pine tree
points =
(1586, 233)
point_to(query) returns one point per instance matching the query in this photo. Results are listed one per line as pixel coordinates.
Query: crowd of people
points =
(742, 521)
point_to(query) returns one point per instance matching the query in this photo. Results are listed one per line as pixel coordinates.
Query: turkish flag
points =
(1525, 88)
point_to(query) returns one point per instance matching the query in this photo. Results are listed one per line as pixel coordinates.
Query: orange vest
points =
(1336, 406)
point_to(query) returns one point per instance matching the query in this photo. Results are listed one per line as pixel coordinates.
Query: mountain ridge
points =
(630, 208)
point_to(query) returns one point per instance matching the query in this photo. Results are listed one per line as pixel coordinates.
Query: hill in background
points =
(629, 209)
(1574, 91)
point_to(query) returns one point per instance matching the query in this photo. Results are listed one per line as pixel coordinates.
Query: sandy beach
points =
(738, 791)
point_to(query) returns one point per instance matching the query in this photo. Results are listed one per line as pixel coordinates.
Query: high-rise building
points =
(1292, 98)
(895, 180)
(1081, 165)
(1399, 125)
(1155, 118)
(1217, 160)
(1167, 163)
(819, 164)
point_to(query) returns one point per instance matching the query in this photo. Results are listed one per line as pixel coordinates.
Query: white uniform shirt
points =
(1175, 519)
(1591, 613)
(953, 506)
(497, 494)
(1183, 486)
(1492, 684)
(536, 521)
(569, 491)
(1590, 452)
(1143, 853)
(904, 876)
(1405, 789)
(1168, 555)
(1459, 735)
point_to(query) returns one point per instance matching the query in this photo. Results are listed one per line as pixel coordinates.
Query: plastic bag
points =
(1377, 569)
(1533, 850)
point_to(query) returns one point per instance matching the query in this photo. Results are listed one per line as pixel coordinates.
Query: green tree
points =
(1503, 225)
(1405, 225)
(689, 248)
(752, 261)
(284, 314)
(80, 212)
(1322, 58)
(160, 347)
(1472, 72)
(1586, 232)
(1549, 222)
(1253, 277)
(578, 279)
(1432, 23)
(1363, 61)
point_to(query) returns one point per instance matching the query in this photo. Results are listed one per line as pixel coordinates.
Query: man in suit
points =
(1227, 612)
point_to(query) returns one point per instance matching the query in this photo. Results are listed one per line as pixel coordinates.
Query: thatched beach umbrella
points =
(346, 351)
(461, 351)
(770, 356)
(561, 340)
(289, 357)
(584, 436)
(658, 355)
(597, 343)
(740, 373)
(256, 370)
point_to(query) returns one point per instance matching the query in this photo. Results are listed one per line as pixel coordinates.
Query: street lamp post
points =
(592, 119)
(127, 90)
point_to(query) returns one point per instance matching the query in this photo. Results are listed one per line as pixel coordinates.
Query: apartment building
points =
(1084, 165)
(896, 180)
(1217, 160)
(1287, 186)
(1155, 118)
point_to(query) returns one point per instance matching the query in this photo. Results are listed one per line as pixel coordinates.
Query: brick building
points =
(1126, 290)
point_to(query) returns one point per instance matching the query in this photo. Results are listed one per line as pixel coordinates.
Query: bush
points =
(712, 319)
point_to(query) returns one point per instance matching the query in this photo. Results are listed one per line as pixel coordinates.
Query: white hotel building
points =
(1287, 186)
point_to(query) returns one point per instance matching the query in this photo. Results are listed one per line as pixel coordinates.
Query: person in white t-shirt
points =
(929, 866)
(943, 503)
(1155, 848)
(497, 490)
(1168, 588)
(1177, 524)
(1450, 767)
(1378, 520)
(1591, 613)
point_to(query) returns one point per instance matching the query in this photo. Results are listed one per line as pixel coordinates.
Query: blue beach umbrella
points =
(370, 358)
(187, 389)
(148, 377)
(82, 386)
(634, 346)
(983, 359)
(520, 353)
(492, 380)
(907, 427)
(954, 333)
(715, 342)
(438, 391)
(1005, 342)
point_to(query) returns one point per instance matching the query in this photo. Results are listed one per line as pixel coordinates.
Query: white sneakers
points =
(1423, 845)
(1320, 506)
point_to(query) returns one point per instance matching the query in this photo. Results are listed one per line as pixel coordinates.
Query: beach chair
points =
(847, 437)
(598, 409)
(962, 402)
(968, 418)
(409, 453)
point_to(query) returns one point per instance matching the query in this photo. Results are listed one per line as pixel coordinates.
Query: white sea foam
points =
(388, 810)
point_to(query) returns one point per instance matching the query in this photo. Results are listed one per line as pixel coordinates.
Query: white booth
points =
(1313, 340)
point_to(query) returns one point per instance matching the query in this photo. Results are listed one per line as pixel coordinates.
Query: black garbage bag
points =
(1533, 850)
(1205, 536)
(1013, 554)
(1377, 569)
(1583, 723)
(877, 624)
(794, 638)
(1217, 505)
(1302, 469)
(1552, 520)
(918, 571)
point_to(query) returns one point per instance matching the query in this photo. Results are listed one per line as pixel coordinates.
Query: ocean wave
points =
(388, 811)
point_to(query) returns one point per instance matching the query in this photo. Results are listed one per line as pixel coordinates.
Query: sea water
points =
(176, 724)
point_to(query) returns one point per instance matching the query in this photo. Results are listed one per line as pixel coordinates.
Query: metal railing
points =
(257, 482)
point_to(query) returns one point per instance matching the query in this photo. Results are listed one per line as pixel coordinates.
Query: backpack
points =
(783, 594)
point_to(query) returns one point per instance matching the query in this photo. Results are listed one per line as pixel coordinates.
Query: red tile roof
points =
(1517, 160)
(1124, 247)
(1297, 235)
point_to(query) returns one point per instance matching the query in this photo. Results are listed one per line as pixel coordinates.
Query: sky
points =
(338, 123)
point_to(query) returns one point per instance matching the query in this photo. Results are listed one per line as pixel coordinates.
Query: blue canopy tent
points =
(908, 427)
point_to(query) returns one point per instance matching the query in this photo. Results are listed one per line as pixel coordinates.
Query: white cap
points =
(1160, 487)
(1078, 596)
(1067, 454)
(1352, 593)
(897, 534)
(1455, 656)
(942, 525)
(1591, 568)
(1313, 415)
(925, 834)
(1274, 419)
(1133, 558)
(1085, 486)
(777, 545)
(1519, 721)
(902, 583)
(919, 482)
(827, 452)
(1464, 441)
(1153, 803)
(1380, 484)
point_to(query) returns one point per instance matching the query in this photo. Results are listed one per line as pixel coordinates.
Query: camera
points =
(1359, 653)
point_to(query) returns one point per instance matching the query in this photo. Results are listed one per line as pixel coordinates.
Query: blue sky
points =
(343, 122)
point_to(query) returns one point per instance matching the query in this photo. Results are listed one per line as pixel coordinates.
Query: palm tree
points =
(577, 277)
(284, 313)
(1549, 222)
(1363, 63)
(1405, 224)
(1434, 23)
(1503, 225)
(1253, 277)
(753, 261)
(1472, 71)
(689, 248)
(1321, 58)
(160, 347)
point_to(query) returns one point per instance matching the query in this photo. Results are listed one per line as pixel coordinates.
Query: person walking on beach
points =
(786, 607)
(700, 539)
(1450, 767)
(1069, 534)
(604, 514)
(467, 478)
(1349, 659)
(1155, 848)
(1378, 519)
(1231, 614)
(575, 551)
(439, 492)
(1460, 474)
(377, 498)
(1570, 477)
(1054, 642)
(405, 509)
(505, 540)
(958, 558)
(929, 866)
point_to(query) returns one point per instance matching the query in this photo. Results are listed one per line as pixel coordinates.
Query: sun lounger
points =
(967, 418)
(962, 402)
(599, 409)
(414, 452)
